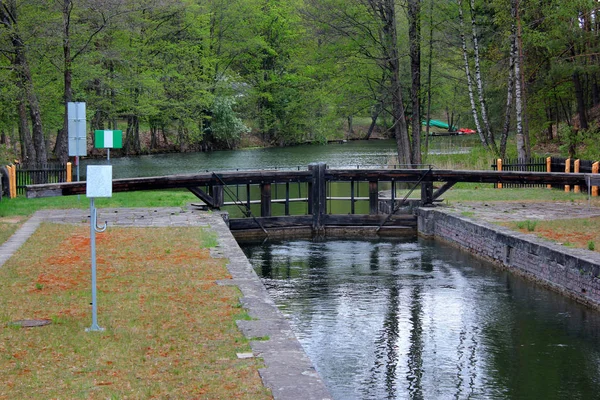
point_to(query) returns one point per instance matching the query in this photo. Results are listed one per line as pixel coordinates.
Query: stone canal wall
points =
(574, 272)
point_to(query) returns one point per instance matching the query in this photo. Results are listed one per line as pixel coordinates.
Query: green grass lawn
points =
(158, 198)
(583, 233)
(170, 330)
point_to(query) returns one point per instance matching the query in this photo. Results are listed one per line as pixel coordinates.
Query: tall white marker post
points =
(98, 184)
(77, 128)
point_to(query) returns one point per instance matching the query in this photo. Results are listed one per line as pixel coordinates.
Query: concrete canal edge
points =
(288, 372)
(572, 272)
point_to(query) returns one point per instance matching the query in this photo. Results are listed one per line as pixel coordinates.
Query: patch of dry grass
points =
(580, 232)
(8, 226)
(170, 329)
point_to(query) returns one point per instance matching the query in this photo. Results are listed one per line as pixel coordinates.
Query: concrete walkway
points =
(288, 371)
(498, 211)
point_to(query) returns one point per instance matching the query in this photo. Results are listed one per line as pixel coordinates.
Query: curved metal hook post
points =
(97, 227)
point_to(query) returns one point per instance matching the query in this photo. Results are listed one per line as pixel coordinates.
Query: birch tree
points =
(521, 145)
(463, 40)
(479, 80)
(509, 92)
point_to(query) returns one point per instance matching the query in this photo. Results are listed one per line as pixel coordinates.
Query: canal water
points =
(351, 155)
(416, 319)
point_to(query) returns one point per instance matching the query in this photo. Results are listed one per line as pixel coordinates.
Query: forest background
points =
(196, 75)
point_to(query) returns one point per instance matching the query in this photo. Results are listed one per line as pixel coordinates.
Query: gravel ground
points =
(497, 211)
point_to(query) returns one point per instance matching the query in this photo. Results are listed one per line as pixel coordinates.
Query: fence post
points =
(318, 195)
(216, 191)
(549, 168)
(13, 181)
(69, 172)
(373, 198)
(265, 199)
(576, 188)
(595, 167)
(568, 169)
(499, 168)
(426, 194)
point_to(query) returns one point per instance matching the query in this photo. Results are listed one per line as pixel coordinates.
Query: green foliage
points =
(225, 126)
(294, 68)
(531, 225)
(209, 239)
(591, 245)
(527, 224)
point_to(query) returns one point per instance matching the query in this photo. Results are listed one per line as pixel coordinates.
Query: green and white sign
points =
(108, 139)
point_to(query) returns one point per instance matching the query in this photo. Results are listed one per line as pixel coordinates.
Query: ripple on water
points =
(416, 319)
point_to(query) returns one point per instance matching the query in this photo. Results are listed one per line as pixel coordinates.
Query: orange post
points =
(576, 188)
(11, 181)
(595, 167)
(69, 172)
(14, 180)
(499, 168)
(568, 169)
(549, 168)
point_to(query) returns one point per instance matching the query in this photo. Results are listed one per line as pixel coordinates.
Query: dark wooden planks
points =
(262, 177)
(408, 221)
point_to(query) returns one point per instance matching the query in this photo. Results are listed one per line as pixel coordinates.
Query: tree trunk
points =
(387, 13)
(579, 96)
(488, 131)
(482, 136)
(98, 118)
(27, 149)
(374, 115)
(595, 89)
(153, 134)
(8, 18)
(521, 149)
(414, 35)
(429, 68)
(131, 143)
(163, 131)
(509, 92)
(61, 148)
(521, 78)
(350, 127)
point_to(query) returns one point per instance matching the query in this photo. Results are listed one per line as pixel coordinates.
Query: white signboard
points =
(98, 181)
(77, 129)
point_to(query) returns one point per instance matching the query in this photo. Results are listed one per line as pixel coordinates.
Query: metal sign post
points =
(98, 184)
(77, 128)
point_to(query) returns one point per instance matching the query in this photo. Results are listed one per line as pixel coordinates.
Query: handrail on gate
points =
(236, 199)
(401, 203)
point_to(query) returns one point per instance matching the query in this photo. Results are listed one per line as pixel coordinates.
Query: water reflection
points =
(347, 155)
(412, 319)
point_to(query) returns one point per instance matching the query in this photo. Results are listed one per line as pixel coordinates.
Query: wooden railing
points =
(21, 175)
(548, 164)
(213, 189)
